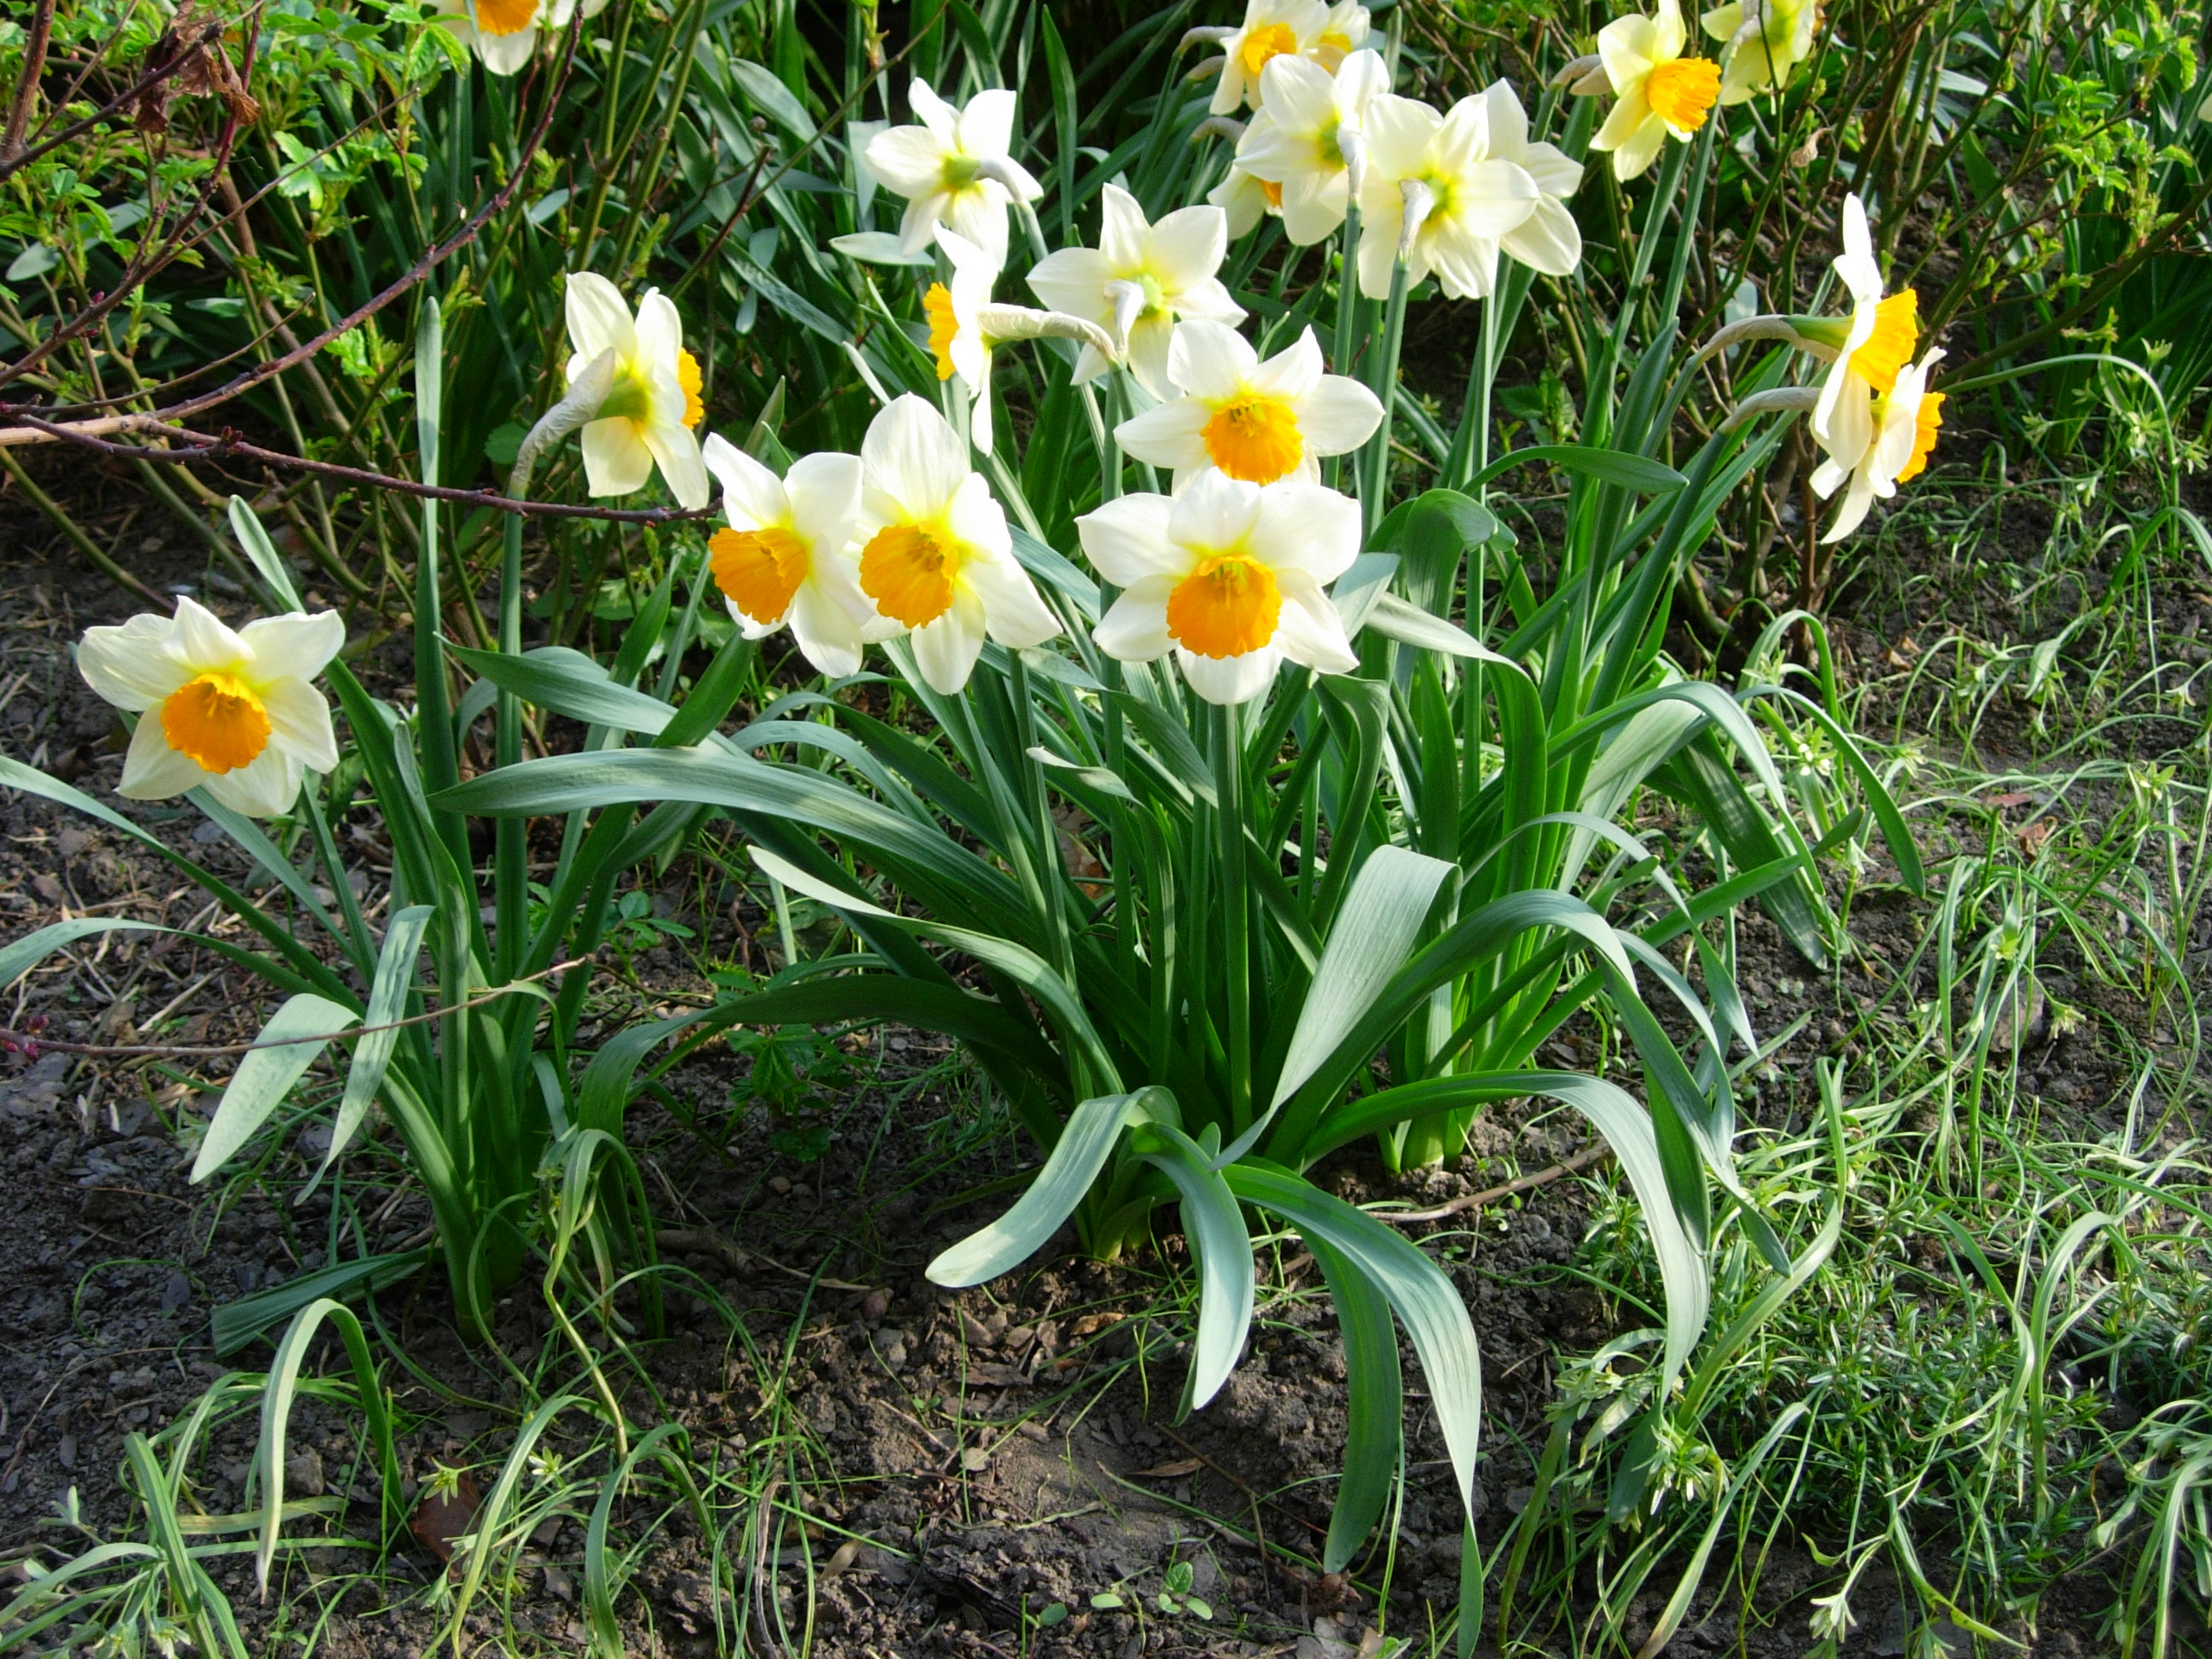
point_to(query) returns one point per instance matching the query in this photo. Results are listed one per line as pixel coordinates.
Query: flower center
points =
(959, 171)
(216, 720)
(759, 569)
(1926, 425)
(506, 16)
(1273, 190)
(942, 325)
(1227, 607)
(1681, 93)
(908, 570)
(1889, 348)
(688, 376)
(1262, 44)
(1254, 438)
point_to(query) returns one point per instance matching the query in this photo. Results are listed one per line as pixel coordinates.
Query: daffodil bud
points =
(1351, 145)
(1210, 35)
(1817, 337)
(1208, 71)
(1419, 199)
(587, 393)
(1787, 399)
(1128, 302)
(1585, 77)
(1000, 324)
(1219, 126)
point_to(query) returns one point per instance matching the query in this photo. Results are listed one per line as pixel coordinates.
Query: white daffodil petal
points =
(1015, 613)
(1338, 415)
(299, 721)
(823, 491)
(1171, 434)
(1127, 540)
(977, 519)
(296, 646)
(1309, 631)
(598, 319)
(130, 665)
(1073, 280)
(672, 445)
(945, 651)
(1230, 680)
(1291, 373)
(1304, 528)
(151, 769)
(825, 633)
(201, 638)
(1210, 359)
(1135, 626)
(911, 455)
(265, 787)
(752, 495)
(1217, 512)
(616, 459)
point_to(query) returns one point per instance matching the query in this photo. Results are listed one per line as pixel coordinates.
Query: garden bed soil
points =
(965, 1461)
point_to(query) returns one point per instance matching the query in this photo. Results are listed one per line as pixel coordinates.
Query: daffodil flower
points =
(1256, 422)
(1138, 281)
(1271, 29)
(1307, 139)
(1879, 342)
(1342, 32)
(1763, 41)
(965, 327)
(1661, 92)
(233, 712)
(1245, 200)
(1447, 193)
(504, 33)
(936, 559)
(955, 168)
(1229, 576)
(1888, 446)
(787, 558)
(647, 416)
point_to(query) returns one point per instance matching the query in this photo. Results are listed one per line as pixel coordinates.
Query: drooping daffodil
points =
(1762, 43)
(965, 327)
(1257, 422)
(1660, 93)
(1229, 575)
(504, 33)
(647, 416)
(1245, 200)
(1447, 193)
(1271, 29)
(1344, 32)
(936, 559)
(1884, 331)
(1307, 138)
(1139, 280)
(1888, 446)
(956, 167)
(787, 558)
(232, 711)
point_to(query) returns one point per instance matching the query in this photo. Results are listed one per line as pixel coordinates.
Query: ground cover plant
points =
(1354, 671)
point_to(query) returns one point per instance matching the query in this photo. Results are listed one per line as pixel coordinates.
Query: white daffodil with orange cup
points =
(1307, 139)
(936, 559)
(786, 558)
(1660, 93)
(648, 415)
(1891, 446)
(1257, 422)
(1762, 43)
(504, 33)
(1448, 192)
(1883, 333)
(1228, 575)
(955, 167)
(1141, 279)
(232, 711)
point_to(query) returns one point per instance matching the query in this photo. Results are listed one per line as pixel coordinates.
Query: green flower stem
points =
(1376, 484)
(1347, 292)
(511, 846)
(1701, 167)
(1235, 912)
